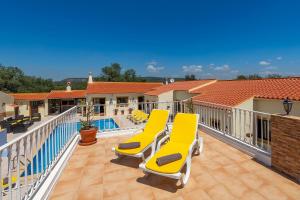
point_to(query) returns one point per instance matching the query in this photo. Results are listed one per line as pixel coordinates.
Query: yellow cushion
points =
(184, 128)
(13, 180)
(173, 167)
(181, 138)
(144, 142)
(155, 124)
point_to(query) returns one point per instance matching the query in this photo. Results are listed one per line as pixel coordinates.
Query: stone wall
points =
(286, 145)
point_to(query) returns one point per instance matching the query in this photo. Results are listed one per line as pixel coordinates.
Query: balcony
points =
(46, 162)
(221, 172)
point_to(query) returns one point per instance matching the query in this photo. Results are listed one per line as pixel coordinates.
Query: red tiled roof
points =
(30, 96)
(120, 87)
(181, 85)
(234, 92)
(63, 94)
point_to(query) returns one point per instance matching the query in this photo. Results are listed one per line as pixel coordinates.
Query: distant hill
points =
(158, 79)
(144, 78)
(72, 80)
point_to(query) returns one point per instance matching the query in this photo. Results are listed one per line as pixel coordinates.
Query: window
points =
(122, 101)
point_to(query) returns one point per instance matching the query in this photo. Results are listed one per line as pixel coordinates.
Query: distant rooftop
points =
(30, 96)
(64, 94)
(234, 92)
(180, 85)
(120, 87)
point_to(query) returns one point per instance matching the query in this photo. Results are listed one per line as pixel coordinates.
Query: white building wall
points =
(5, 108)
(182, 95)
(111, 102)
(274, 106)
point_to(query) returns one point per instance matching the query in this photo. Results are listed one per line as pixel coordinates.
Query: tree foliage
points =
(13, 79)
(190, 77)
(113, 73)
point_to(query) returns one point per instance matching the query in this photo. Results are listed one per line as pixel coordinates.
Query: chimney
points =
(68, 88)
(90, 80)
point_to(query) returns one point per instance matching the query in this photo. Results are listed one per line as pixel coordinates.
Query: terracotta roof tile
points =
(120, 87)
(181, 85)
(234, 92)
(63, 94)
(30, 96)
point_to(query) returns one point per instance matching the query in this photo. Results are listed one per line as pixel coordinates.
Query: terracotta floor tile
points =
(65, 196)
(196, 195)
(91, 192)
(220, 172)
(124, 196)
(271, 192)
(218, 192)
(252, 195)
(142, 195)
(206, 181)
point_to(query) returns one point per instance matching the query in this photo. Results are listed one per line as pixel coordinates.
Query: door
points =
(34, 107)
(99, 106)
(141, 100)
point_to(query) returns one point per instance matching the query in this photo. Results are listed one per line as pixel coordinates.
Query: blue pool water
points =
(56, 141)
(102, 124)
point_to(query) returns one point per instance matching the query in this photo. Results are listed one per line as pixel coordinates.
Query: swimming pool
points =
(57, 140)
(102, 124)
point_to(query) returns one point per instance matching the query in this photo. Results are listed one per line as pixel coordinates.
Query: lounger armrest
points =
(191, 149)
(164, 139)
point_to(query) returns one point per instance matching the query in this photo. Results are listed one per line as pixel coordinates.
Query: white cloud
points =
(271, 68)
(234, 71)
(192, 69)
(223, 68)
(153, 67)
(264, 63)
(279, 58)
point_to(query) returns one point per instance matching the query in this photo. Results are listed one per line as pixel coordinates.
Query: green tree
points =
(190, 77)
(241, 77)
(112, 72)
(130, 75)
(274, 76)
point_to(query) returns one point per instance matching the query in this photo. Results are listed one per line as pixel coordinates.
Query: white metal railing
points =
(26, 161)
(247, 126)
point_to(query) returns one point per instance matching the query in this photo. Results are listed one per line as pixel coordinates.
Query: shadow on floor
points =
(159, 182)
(127, 161)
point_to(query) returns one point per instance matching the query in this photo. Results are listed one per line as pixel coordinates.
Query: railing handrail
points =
(229, 107)
(33, 130)
(134, 103)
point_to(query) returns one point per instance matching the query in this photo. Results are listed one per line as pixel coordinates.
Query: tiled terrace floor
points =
(221, 172)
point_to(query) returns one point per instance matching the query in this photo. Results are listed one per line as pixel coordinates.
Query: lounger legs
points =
(200, 145)
(186, 175)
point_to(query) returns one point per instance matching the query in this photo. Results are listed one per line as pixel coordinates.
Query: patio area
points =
(220, 172)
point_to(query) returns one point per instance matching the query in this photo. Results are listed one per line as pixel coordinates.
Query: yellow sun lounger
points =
(183, 139)
(154, 129)
(141, 118)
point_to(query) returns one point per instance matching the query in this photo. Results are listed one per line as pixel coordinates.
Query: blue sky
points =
(212, 39)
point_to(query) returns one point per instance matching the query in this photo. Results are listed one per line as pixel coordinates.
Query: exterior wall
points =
(44, 109)
(165, 97)
(182, 95)
(275, 106)
(24, 108)
(149, 98)
(286, 145)
(243, 120)
(111, 102)
(5, 100)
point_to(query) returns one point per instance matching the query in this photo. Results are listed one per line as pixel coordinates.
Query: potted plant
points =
(116, 111)
(190, 106)
(130, 110)
(88, 131)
